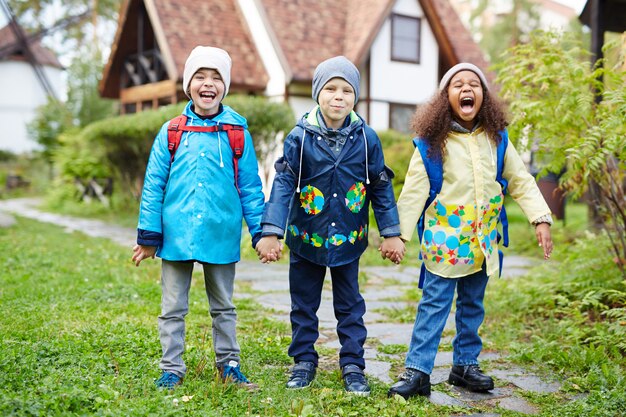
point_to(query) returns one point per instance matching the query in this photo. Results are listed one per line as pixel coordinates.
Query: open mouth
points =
(208, 95)
(467, 103)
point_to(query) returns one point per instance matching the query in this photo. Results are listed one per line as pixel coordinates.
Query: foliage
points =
(398, 149)
(551, 92)
(507, 28)
(120, 145)
(269, 122)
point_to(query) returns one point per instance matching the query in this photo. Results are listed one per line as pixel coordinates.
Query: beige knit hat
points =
(463, 66)
(207, 57)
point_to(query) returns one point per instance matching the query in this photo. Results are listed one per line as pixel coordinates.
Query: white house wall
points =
(21, 94)
(265, 46)
(401, 82)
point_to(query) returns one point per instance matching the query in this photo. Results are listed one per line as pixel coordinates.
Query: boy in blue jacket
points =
(331, 169)
(191, 211)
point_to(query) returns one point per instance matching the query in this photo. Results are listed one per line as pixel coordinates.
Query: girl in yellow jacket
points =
(459, 245)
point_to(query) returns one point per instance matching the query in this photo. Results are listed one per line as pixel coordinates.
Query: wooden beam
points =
(148, 92)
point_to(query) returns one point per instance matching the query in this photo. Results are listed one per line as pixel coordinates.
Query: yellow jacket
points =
(460, 224)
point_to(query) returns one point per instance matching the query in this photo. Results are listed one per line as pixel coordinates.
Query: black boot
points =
(411, 383)
(470, 377)
(354, 380)
(302, 375)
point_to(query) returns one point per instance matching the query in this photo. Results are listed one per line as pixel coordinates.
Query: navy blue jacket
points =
(322, 200)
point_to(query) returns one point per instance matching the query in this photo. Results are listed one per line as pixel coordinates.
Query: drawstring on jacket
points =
(219, 146)
(367, 173)
(300, 165)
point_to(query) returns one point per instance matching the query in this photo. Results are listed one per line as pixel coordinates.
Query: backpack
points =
(434, 170)
(235, 133)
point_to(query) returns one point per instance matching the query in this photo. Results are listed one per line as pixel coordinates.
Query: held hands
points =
(269, 249)
(141, 252)
(544, 238)
(392, 248)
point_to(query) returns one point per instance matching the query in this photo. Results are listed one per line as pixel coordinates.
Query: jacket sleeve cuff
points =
(543, 219)
(390, 231)
(271, 230)
(148, 238)
(255, 239)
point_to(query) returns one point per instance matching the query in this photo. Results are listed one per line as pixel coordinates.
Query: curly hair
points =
(433, 120)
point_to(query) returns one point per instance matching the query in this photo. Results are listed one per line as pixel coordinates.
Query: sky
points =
(575, 4)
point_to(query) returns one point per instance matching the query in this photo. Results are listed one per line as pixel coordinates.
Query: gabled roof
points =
(310, 32)
(305, 32)
(43, 55)
(181, 25)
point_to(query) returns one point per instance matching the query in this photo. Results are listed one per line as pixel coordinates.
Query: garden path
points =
(383, 290)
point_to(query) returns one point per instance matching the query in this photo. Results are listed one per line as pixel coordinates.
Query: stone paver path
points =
(383, 290)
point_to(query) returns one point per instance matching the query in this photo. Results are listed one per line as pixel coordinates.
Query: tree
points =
(551, 89)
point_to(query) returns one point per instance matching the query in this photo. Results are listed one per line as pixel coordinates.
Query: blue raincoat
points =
(191, 209)
(322, 200)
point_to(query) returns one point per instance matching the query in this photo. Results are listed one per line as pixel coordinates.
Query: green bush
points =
(120, 146)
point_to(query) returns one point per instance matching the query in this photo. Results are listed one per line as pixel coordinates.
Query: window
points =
(405, 38)
(400, 117)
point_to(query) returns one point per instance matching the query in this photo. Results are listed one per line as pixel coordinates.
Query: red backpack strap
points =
(236, 138)
(174, 133)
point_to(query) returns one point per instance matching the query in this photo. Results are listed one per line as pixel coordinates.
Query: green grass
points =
(79, 336)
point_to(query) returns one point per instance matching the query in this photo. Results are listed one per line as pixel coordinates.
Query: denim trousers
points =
(175, 284)
(432, 314)
(306, 280)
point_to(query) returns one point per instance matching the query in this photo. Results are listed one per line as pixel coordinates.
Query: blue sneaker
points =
(231, 373)
(168, 380)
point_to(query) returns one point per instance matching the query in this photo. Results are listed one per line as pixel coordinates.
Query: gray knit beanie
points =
(207, 57)
(337, 67)
(463, 66)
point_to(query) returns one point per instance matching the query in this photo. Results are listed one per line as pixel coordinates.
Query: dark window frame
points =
(418, 41)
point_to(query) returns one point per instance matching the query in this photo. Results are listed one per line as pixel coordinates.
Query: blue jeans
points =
(433, 311)
(305, 286)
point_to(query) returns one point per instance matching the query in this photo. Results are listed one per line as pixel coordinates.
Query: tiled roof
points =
(463, 46)
(181, 25)
(309, 32)
(42, 55)
(188, 23)
(306, 33)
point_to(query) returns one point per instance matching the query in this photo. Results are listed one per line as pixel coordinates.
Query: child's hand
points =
(393, 248)
(544, 238)
(269, 249)
(141, 252)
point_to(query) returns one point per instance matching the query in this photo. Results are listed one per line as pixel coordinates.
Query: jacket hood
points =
(227, 116)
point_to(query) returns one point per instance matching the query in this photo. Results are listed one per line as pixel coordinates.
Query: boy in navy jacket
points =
(331, 169)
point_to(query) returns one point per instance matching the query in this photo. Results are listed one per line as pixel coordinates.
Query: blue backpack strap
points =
(434, 170)
(501, 150)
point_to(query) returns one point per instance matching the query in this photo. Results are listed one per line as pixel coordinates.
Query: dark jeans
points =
(305, 285)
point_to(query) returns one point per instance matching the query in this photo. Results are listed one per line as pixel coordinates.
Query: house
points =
(22, 90)
(401, 47)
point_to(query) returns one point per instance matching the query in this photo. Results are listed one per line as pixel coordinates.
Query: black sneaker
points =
(470, 377)
(354, 380)
(302, 375)
(412, 382)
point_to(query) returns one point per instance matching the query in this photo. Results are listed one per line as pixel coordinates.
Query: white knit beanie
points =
(207, 57)
(463, 66)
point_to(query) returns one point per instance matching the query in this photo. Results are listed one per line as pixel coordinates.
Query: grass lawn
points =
(79, 336)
